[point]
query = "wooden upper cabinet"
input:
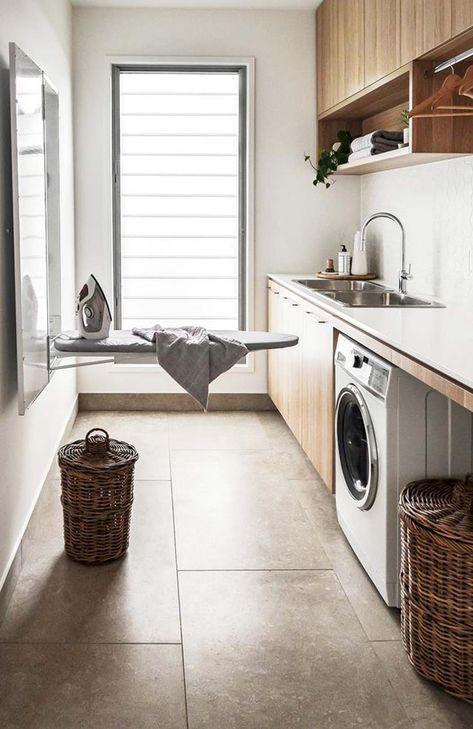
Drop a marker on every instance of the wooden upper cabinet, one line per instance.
(328, 75)
(437, 23)
(425, 24)
(462, 15)
(382, 38)
(340, 51)
(351, 35)
(412, 30)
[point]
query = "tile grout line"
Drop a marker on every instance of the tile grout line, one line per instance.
(82, 642)
(262, 569)
(184, 682)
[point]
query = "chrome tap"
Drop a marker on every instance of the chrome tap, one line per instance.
(404, 275)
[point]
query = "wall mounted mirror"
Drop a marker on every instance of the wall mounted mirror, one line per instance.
(36, 232)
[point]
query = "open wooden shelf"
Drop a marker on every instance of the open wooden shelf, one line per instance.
(379, 106)
(393, 160)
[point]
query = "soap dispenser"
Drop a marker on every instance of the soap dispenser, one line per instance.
(344, 262)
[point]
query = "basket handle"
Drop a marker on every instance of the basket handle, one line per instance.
(97, 445)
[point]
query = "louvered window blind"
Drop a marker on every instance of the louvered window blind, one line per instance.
(179, 202)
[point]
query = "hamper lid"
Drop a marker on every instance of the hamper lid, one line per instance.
(97, 452)
(442, 505)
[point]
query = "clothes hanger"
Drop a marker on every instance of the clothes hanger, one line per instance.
(433, 107)
(465, 89)
(449, 85)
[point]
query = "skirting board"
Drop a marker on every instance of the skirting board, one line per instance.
(9, 583)
(173, 402)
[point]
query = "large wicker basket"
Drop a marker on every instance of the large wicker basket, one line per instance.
(97, 496)
(437, 581)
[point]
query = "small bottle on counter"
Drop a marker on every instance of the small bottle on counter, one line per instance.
(344, 261)
(329, 267)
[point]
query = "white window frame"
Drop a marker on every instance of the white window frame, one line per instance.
(246, 267)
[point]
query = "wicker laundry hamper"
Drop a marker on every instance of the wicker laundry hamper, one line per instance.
(97, 496)
(437, 581)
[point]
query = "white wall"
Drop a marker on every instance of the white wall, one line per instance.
(435, 204)
(42, 28)
(296, 226)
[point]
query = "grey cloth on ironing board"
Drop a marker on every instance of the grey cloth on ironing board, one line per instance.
(193, 356)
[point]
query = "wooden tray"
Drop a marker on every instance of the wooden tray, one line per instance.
(346, 277)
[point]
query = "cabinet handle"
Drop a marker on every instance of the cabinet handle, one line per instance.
(294, 304)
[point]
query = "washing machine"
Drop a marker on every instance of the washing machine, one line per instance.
(390, 429)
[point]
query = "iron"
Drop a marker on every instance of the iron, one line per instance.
(93, 311)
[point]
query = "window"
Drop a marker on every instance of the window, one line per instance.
(179, 139)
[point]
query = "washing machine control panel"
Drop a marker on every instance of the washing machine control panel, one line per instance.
(364, 366)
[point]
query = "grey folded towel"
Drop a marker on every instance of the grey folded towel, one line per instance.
(380, 136)
(193, 356)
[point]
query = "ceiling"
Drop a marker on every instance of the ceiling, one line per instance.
(214, 4)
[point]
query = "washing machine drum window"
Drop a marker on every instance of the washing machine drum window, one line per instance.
(357, 447)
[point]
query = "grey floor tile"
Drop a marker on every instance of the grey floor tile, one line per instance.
(216, 431)
(148, 432)
(379, 621)
(91, 687)
(130, 600)
(234, 510)
(277, 650)
(422, 700)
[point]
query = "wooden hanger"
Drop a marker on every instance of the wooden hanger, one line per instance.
(426, 107)
(465, 89)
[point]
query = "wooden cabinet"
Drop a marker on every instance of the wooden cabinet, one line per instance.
(462, 15)
(425, 24)
(437, 23)
(340, 51)
(412, 30)
(317, 433)
(300, 379)
(382, 38)
(351, 35)
(360, 42)
(328, 72)
(275, 356)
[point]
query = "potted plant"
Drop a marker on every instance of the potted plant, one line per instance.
(329, 160)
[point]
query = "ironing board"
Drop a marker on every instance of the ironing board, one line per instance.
(124, 347)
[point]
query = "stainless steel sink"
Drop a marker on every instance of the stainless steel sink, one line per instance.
(332, 285)
(379, 299)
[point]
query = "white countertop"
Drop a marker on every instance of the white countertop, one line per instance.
(440, 338)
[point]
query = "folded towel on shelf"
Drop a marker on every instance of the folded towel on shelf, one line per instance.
(193, 356)
(380, 136)
(368, 152)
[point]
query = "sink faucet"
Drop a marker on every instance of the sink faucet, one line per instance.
(404, 274)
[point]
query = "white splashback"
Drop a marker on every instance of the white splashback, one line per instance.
(435, 204)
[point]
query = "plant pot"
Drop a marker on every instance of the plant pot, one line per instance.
(405, 135)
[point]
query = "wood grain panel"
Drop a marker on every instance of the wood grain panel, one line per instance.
(412, 29)
(328, 62)
(351, 39)
(462, 15)
(436, 23)
(382, 38)
(318, 396)
(389, 119)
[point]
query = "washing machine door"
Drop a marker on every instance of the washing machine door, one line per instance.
(356, 446)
